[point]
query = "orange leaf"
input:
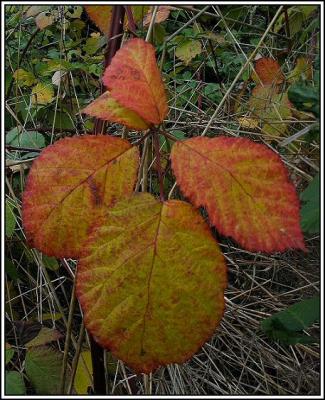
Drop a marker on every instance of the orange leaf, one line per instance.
(134, 80)
(101, 16)
(151, 282)
(245, 189)
(70, 185)
(161, 15)
(268, 71)
(105, 107)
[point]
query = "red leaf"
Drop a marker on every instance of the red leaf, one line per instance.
(269, 71)
(245, 189)
(134, 81)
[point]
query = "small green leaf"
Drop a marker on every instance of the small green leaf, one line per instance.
(31, 139)
(10, 219)
(310, 211)
(286, 325)
(10, 269)
(305, 97)
(14, 383)
(50, 263)
(43, 367)
(9, 354)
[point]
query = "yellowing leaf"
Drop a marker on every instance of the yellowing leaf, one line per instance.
(268, 71)
(161, 15)
(245, 188)
(134, 81)
(188, 49)
(44, 336)
(70, 185)
(249, 123)
(24, 78)
(43, 20)
(106, 108)
(272, 108)
(83, 378)
(302, 68)
(151, 281)
(42, 93)
(101, 16)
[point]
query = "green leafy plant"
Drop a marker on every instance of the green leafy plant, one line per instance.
(142, 259)
(286, 326)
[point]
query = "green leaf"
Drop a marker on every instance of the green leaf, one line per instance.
(310, 211)
(43, 367)
(14, 383)
(286, 325)
(50, 263)
(31, 139)
(305, 97)
(9, 354)
(10, 220)
(10, 269)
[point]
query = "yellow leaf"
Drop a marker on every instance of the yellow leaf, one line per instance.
(42, 93)
(249, 123)
(83, 378)
(151, 282)
(188, 49)
(24, 78)
(303, 68)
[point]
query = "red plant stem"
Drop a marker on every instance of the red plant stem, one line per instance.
(158, 164)
(131, 23)
(199, 99)
(114, 43)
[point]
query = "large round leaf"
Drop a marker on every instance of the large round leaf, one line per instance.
(245, 189)
(70, 185)
(151, 282)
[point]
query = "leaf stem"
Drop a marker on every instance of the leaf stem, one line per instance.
(158, 165)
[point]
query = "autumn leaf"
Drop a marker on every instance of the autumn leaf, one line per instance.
(268, 71)
(70, 185)
(135, 82)
(151, 281)
(102, 16)
(245, 188)
(24, 78)
(272, 108)
(161, 15)
(303, 68)
(44, 19)
(248, 123)
(107, 108)
(42, 94)
(187, 50)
